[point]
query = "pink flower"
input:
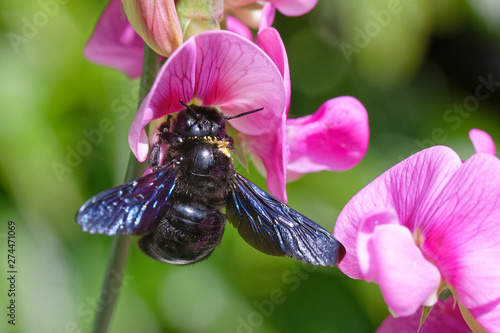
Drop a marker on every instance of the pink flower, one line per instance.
(218, 69)
(427, 224)
(115, 43)
(445, 317)
(334, 138)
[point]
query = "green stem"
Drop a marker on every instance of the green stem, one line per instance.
(121, 244)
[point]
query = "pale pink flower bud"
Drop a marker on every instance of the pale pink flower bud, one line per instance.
(156, 21)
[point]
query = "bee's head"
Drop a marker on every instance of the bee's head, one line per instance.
(200, 121)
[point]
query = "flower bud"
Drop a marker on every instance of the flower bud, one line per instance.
(156, 21)
(197, 16)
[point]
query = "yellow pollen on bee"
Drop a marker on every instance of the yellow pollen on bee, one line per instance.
(222, 145)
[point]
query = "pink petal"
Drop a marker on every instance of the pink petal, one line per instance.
(462, 237)
(114, 42)
(235, 75)
(393, 260)
(238, 27)
(148, 171)
(137, 138)
(443, 318)
(482, 141)
(409, 188)
(365, 236)
(270, 41)
(267, 19)
(294, 7)
(292, 176)
(215, 68)
(272, 149)
(334, 138)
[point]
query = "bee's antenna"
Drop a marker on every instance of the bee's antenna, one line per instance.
(241, 114)
(188, 107)
(223, 116)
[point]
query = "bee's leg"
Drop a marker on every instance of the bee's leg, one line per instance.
(164, 137)
(154, 156)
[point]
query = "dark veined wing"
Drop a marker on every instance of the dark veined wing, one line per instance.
(135, 207)
(274, 228)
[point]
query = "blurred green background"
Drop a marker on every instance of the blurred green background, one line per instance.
(413, 64)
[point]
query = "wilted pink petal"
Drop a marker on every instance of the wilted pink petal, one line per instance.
(443, 318)
(482, 141)
(114, 42)
(156, 22)
(408, 188)
(462, 237)
(215, 68)
(334, 138)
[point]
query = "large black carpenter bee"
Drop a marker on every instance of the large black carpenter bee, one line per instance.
(177, 209)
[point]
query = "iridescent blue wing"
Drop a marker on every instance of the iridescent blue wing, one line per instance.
(272, 227)
(132, 208)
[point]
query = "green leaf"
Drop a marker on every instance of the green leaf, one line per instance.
(425, 312)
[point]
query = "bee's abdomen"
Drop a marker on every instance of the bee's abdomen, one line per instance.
(188, 233)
